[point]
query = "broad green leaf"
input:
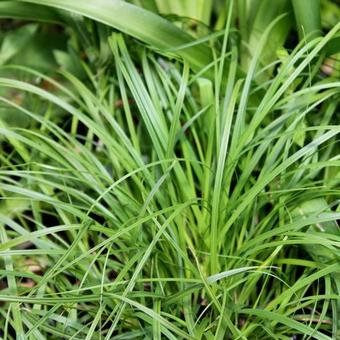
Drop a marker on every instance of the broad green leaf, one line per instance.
(137, 22)
(16, 10)
(15, 41)
(307, 15)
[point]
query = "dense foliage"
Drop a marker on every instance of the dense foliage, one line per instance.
(169, 169)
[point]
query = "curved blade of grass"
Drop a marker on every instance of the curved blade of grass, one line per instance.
(176, 116)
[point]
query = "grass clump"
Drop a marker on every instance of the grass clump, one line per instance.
(183, 188)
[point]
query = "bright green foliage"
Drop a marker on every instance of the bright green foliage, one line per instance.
(171, 169)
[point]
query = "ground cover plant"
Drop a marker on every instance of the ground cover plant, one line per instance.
(169, 169)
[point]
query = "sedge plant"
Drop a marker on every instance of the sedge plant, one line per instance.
(170, 186)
